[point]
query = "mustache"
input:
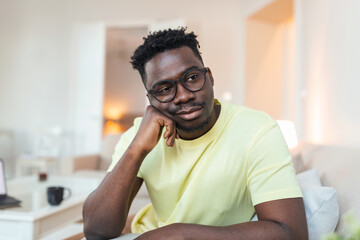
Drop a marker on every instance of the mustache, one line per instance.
(183, 106)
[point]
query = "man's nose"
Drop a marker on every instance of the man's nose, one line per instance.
(182, 94)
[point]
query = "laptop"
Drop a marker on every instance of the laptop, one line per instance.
(5, 200)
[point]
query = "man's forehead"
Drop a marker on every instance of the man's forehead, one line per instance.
(170, 64)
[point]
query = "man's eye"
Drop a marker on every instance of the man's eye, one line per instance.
(192, 77)
(163, 90)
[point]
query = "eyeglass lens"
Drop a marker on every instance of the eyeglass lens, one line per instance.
(192, 81)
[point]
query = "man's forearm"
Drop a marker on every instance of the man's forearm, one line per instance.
(247, 231)
(105, 210)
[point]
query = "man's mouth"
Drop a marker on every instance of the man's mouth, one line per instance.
(189, 113)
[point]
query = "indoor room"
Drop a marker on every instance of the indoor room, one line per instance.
(68, 93)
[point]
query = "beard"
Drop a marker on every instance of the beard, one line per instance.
(192, 129)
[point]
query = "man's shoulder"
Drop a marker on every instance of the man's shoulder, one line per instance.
(137, 122)
(129, 134)
(245, 114)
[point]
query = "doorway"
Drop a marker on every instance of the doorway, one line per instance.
(124, 94)
(106, 94)
(270, 60)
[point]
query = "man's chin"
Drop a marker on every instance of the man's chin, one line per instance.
(193, 128)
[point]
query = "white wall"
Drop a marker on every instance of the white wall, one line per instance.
(263, 81)
(269, 68)
(87, 85)
(33, 69)
(33, 57)
(251, 6)
(270, 59)
(327, 86)
(331, 54)
(35, 53)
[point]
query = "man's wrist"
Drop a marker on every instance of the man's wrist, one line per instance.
(137, 151)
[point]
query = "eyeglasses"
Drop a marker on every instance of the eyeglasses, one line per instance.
(193, 81)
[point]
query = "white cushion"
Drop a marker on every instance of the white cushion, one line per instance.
(129, 236)
(321, 206)
(308, 178)
(338, 167)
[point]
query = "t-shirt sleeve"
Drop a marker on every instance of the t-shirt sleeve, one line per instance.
(123, 145)
(270, 173)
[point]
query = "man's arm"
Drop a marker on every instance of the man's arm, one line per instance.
(280, 219)
(106, 209)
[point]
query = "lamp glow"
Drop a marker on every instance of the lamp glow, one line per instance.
(288, 130)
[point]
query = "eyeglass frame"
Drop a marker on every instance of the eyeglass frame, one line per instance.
(175, 83)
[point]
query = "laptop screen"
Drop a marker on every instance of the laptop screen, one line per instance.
(2, 178)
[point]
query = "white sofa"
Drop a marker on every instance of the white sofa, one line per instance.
(100, 161)
(336, 166)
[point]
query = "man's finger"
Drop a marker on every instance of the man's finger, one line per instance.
(170, 133)
(173, 135)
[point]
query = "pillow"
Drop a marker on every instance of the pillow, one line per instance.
(297, 161)
(321, 206)
(308, 178)
(129, 236)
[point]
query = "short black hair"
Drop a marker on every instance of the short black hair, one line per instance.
(161, 41)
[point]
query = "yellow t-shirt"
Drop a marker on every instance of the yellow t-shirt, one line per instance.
(216, 179)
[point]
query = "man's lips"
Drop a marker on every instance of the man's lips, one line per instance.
(189, 113)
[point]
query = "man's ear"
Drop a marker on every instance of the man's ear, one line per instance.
(210, 76)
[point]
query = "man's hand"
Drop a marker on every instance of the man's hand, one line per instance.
(151, 128)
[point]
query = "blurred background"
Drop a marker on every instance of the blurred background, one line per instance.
(65, 71)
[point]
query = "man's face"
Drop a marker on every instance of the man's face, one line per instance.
(190, 110)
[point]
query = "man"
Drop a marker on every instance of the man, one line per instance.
(208, 166)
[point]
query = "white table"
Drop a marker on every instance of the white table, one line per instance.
(36, 218)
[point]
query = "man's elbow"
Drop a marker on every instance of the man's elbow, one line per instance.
(299, 233)
(95, 227)
(100, 232)
(293, 233)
